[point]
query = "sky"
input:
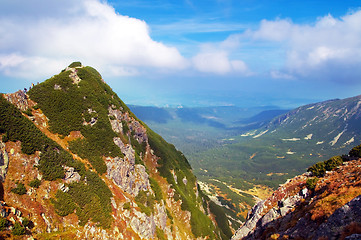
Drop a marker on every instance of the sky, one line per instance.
(245, 53)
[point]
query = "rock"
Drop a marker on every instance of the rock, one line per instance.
(73, 75)
(350, 212)
(143, 225)
(71, 175)
(47, 222)
(160, 217)
(129, 177)
(19, 99)
(185, 181)
(253, 216)
(354, 237)
(4, 161)
(270, 216)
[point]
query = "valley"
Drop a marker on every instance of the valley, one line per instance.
(256, 148)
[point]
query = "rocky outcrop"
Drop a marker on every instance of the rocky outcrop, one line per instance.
(71, 175)
(136, 128)
(131, 178)
(253, 217)
(73, 75)
(4, 161)
(344, 216)
(19, 99)
(143, 225)
(331, 211)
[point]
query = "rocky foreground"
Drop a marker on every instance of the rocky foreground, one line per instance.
(330, 210)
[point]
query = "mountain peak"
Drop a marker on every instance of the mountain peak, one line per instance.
(91, 169)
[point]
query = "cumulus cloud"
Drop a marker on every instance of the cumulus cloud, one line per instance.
(86, 30)
(328, 49)
(216, 58)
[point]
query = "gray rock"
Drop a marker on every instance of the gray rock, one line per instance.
(130, 177)
(71, 175)
(350, 212)
(4, 161)
(19, 99)
(143, 225)
(253, 216)
(270, 216)
(354, 237)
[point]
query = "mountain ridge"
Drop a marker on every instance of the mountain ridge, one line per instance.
(81, 165)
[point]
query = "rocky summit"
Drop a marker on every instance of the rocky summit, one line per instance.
(76, 163)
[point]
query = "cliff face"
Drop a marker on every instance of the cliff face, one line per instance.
(76, 163)
(307, 207)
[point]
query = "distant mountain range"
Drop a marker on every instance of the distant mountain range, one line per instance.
(259, 146)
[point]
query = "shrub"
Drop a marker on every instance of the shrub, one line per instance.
(317, 169)
(355, 152)
(18, 229)
(19, 128)
(20, 189)
(75, 64)
(126, 206)
(333, 162)
(3, 223)
(311, 183)
(35, 183)
(320, 168)
(26, 222)
(156, 189)
(28, 112)
(160, 234)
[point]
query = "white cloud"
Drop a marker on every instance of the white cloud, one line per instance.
(217, 58)
(87, 30)
(328, 49)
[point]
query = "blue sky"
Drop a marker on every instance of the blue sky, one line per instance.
(195, 53)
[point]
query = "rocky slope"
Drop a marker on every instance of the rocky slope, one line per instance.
(76, 163)
(310, 207)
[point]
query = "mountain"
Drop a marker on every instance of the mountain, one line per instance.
(288, 144)
(318, 204)
(76, 163)
(256, 151)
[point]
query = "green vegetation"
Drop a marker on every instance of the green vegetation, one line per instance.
(145, 202)
(18, 229)
(160, 234)
(355, 152)
(221, 219)
(35, 183)
(18, 128)
(74, 107)
(87, 151)
(91, 201)
(28, 112)
(75, 64)
(20, 189)
(3, 223)
(156, 189)
(320, 168)
(311, 183)
(26, 222)
(172, 159)
(126, 206)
